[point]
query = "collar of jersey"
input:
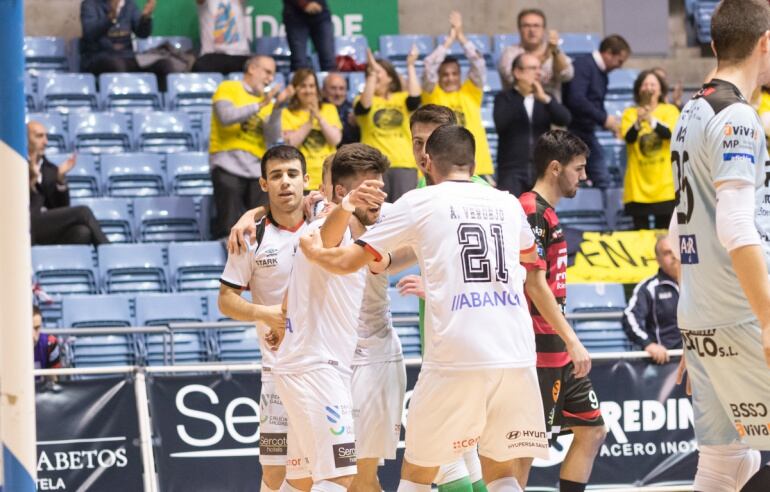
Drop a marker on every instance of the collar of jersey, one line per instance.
(271, 220)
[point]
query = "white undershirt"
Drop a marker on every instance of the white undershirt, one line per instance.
(529, 105)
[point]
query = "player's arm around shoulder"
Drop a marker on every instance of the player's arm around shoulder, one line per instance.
(341, 260)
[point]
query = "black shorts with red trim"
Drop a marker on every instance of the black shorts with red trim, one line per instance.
(567, 401)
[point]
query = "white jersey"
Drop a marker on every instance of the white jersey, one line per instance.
(322, 316)
(718, 137)
(265, 270)
(377, 341)
(467, 240)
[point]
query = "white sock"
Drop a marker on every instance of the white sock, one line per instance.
(473, 463)
(285, 487)
(507, 484)
(327, 486)
(264, 488)
(407, 486)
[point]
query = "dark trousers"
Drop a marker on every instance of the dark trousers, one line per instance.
(319, 28)
(399, 181)
(596, 167)
(106, 63)
(67, 225)
(515, 179)
(220, 62)
(233, 195)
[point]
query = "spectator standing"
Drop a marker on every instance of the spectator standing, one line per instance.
(46, 348)
(224, 45)
(311, 125)
(382, 112)
(650, 318)
(521, 115)
(106, 45)
(335, 91)
(244, 124)
(52, 219)
(648, 188)
(556, 66)
(584, 97)
(313, 19)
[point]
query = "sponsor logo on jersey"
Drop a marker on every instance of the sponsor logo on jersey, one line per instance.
(525, 434)
(271, 444)
(744, 409)
(465, 443)
(333, 415)
(751, 430)
(741, 131)
(703, 344)
(688, 249)
(344, 454)
(485, 299)
(556, 390)
(738, 157)
(267, 258)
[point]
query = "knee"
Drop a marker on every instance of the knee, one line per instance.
(418, 474)
(591, 436)
(79, 234)
(273, 476)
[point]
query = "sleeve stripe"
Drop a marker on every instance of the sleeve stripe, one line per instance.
(368, 247)
(629, 311)
(231, 285)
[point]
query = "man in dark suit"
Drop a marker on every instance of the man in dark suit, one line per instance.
(521, 115)
(52, 219)
(584, 97)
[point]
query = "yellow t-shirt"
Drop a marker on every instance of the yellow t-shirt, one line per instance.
(386, 128)
(466, 103)
(764, 104)
(649, 178)
(315, 148)
(246, 136)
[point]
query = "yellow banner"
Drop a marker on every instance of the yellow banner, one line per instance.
(626, 257)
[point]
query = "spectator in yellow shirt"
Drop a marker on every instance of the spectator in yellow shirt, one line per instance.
(648, 192)
(443, 85)
(311, 125)
(382, 112)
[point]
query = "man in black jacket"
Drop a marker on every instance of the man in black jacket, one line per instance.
(53, 221)
(521, 115)
(650, 318)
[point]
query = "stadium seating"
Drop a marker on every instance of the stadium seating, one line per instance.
(163, 309)
(191, 91)
(237, 344)
(395, 47)
(481, 41)
(188, 173)
(616, 216)
(196, 266)
(46, 53)
(395, 277)
(595, 298)
(65, 269)
(356, 81)
(702, 10)
(100, 133)
(275, 46)
(585, 211)
(65, 92)
(83, 179)
(171, 218)
(164, 132)
(181, 43)
(353, 46)
(502, 41)
(58, 140)
(129, 91)
(132, 175)
(492, 86)
(621, 83)
(30, 92)
(114, 216)
(125, 268)
(579, 43)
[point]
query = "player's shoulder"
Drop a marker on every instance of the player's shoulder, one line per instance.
(723, 97)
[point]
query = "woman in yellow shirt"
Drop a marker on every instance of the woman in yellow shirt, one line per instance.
(314, 127)
(382, 112)
(648, 188)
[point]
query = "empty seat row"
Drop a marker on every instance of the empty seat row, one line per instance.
(598, 335)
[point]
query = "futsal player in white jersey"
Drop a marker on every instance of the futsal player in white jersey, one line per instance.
(722, 225)
(264, 269)
(315, 350)
(478, 383)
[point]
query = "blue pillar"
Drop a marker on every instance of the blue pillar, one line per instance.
(12, 128)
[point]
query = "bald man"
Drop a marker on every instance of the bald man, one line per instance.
(335, 91)
(52, 219)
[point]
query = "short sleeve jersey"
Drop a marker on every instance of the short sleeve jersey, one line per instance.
(551, 257)
(222, 26)
(719, 137)
(315, 147)
(264, 269)
(466, 104)
(247, 136)
(386, 128)
(322, 316)
(467, 239)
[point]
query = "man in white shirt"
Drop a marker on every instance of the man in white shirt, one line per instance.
(224, 44)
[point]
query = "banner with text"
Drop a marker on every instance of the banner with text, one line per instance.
(88, 435)
(625, 257)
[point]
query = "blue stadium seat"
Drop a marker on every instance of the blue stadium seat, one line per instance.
(171, 218)
(65, 92)
(162, 309)
(621, 82)
(275, 46)
(196, 266)
(579, 43)
(395, 277)
(191, 91)
(46, 53)
(237, 344)
(356, 81)
(181, 43)
(402, 305)
(480, 41)
(618, 220)
(131, 175)
(66, 269)
(164, 132)
(127, 268)
(188, 173)
(410, 339)
(353, 46)
(595, 298)
(702, 17)
(408, 329)
(58, 139)
(129, 91)
(502, 41)
(602, 336)
(492, 86)
(100, 133)
(83, 180)
(395, 47)
(114, 216)
(30, 92)
(585, 211)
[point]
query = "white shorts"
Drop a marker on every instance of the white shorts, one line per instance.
(730, 385)
(322, 440)
(378, 399)
(453, 411)
(273, 426)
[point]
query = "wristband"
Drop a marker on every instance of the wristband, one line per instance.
(346, 205)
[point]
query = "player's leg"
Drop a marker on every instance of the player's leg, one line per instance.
(473, 464)
(299, 450)
(454, 477)
(273, 433)
(521, 468)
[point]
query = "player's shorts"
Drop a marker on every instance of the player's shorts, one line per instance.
(567, 401)
(378, 400)
(730, 385)
(322, 440)
(453, 411)
(273, 426)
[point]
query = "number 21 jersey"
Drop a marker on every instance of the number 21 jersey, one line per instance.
(719, 137)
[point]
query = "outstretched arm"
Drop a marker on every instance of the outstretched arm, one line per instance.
(340, 260)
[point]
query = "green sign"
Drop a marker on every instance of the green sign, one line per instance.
(372, 19)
